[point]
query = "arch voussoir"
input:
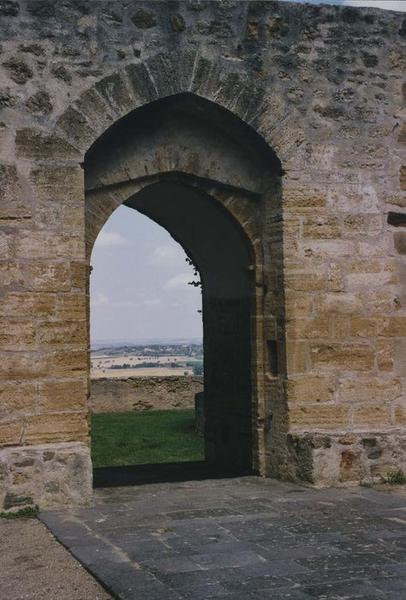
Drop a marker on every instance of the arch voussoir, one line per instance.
(160, 76)
(171, 75)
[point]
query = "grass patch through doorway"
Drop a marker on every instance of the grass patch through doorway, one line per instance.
(149, 437)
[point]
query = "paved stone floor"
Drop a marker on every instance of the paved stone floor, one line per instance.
(233, 539)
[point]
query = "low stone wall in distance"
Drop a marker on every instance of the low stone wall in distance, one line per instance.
(143, 393)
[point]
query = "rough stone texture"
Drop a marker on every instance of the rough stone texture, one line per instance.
(286, 118)
(143, 393)
(241, 539)
(34, 566)
(47, 475)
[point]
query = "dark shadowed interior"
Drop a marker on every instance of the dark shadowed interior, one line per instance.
(222, 254)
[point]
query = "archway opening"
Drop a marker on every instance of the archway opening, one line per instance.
(146, 347)
(201, 173)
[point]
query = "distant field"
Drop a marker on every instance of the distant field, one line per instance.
(149, 437)
(102, 366)
(150, 372)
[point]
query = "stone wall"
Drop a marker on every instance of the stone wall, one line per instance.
(143, 393)
(324, 88)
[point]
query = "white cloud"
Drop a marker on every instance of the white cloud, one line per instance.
(167, 256)
(110, 239)
(99, 299)
(177, 282)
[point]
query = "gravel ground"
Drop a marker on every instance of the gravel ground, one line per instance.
(34, 566)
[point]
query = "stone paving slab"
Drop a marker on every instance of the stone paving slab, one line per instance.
(246, 538)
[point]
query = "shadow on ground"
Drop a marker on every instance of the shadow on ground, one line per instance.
(105, 477)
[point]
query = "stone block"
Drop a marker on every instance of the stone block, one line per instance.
(385, 351)
(61, 333)
(297, 357)
(304, 199)
(321, 227)
(22, 366)
(76, 128)
(362, 225)
(399, 238)
(364, 327)
(400, 415)
(298, 304)
(345, 356)
(115, 90)
(386, 275)
(60, 427)
(402, 178)
(11, 275)
(16, 304)
(400, 357)
(36, 145)
(71, 307)
(69, 394)
(310, 389)
(79, 272)
(306, 282)
(319, 416)
(310, 328)
(15, 212)
(49, 276)
(17, 334)
(392, 327)
(15, 204)
(369, 389)
(72, 219)
(350, 466)
(5, 245)
(47, 245)
(58, 184)
(339, 326)
(67, 362)
(140, 82)
(17, 399)
(371, 415)
(330, 249)
(10, 433)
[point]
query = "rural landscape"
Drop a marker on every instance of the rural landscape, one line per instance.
(143, 402)
(147, 360)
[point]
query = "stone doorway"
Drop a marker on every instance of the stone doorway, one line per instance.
(182, 161)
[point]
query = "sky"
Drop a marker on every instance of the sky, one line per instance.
(385, 4)
(139, 284)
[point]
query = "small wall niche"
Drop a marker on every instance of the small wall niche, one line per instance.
(273, 363)
(397, 219)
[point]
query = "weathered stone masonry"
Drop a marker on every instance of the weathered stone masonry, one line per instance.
(324, 89)
(124, 394)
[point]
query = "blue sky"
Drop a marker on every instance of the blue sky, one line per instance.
(139, 287)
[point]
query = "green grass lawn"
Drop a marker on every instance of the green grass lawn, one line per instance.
(135, 438)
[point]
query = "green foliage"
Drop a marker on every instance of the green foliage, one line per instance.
(198, 369)
(29, 512)
(196, 366)
(147, 437)
(396, 477)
